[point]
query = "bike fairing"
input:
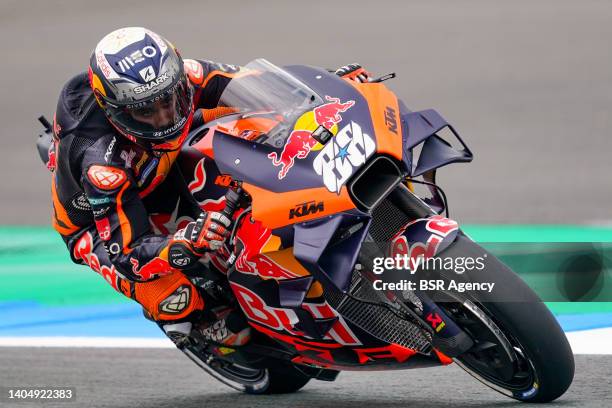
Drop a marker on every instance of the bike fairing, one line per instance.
(270, 312)
(311, 260)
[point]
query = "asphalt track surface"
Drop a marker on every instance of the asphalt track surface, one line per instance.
(165, 378)
(527, 83)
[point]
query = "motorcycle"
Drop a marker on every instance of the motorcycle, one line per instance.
(320, 177)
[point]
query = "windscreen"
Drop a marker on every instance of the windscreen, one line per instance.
(262, 88)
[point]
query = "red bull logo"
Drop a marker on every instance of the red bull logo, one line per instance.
(328, 115)
(300, 142)
(155, 267)
(254, 238)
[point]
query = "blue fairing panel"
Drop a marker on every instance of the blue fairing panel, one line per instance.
(421, 127)
(330, 260)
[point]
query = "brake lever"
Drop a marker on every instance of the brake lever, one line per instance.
(383, 78)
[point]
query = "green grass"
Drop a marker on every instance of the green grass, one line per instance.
(35, 264)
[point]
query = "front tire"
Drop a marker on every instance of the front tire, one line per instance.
(528, 333)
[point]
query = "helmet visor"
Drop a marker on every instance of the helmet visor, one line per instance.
(159, 119)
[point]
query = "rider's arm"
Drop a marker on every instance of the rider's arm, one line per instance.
(209, 79)
(122, 223)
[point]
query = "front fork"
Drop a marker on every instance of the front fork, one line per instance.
(447, 336)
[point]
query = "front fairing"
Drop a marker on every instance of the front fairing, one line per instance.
(300, 187)
(306, 232)
(257, 168)
(284, 166)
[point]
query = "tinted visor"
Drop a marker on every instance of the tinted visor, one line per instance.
(159, 119)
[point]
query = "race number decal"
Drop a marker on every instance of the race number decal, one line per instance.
(339, 159)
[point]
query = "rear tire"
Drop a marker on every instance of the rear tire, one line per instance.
(284, 379)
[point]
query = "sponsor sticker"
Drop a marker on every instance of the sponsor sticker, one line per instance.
(109, 150)
(155, 267)
(114, 248)
(104, 229)
(304, 209)
(390, 119)
(301, 140)
(100, 212)
(99, 201)
(153, 84)
(106, 178)
(80, 203)
(128, 157)
(147, 73)
(126, 63)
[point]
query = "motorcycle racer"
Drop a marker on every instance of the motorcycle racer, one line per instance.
(118, 130)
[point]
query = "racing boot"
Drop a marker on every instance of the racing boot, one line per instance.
(229, 327)
(178, 332)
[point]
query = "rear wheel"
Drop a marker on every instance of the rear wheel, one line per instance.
(282, 378)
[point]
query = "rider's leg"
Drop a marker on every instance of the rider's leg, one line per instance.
(171, 300)
(168, 298)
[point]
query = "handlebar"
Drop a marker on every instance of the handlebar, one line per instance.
(232, 198)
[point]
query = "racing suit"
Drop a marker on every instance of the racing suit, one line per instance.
(105, 188)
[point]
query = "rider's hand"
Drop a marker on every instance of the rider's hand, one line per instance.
(210, 231)
(354, 72)
(207, 233)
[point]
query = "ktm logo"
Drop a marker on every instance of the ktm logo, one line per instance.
(106, 178)
(390, 119)
(304, 209)
(223, 180)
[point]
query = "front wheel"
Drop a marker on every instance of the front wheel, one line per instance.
(520, 350)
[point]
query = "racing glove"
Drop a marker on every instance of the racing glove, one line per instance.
(207, 233)
(354, 72)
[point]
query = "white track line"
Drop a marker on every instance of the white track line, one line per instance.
(596, 341)
(107, 342)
